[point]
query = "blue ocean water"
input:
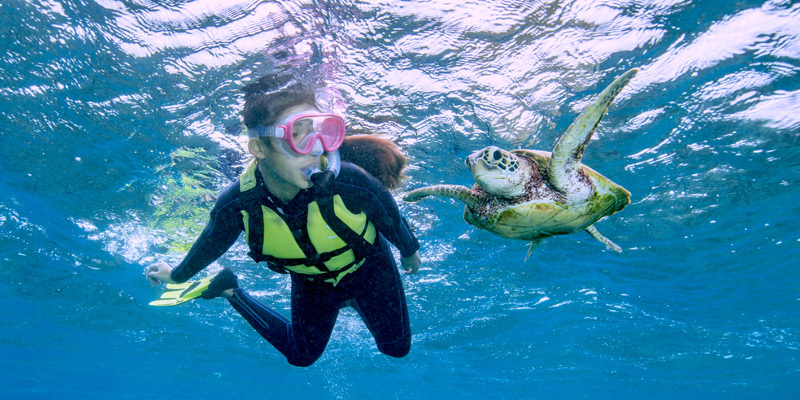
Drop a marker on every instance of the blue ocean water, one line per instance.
(120, 123)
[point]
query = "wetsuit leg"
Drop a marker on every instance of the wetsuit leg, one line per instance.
(314, 311)
(381, 303)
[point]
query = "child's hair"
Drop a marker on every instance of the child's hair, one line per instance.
(272, 94)
(380, 157)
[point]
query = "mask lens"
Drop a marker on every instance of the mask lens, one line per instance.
(306, 130)
(304, 133)
(332, 131)
(302, 129)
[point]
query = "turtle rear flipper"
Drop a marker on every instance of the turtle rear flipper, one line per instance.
(565, 174)
(534, 244)
(595, 234)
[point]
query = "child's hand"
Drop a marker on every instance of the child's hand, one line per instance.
(410, 264)
(158, 273)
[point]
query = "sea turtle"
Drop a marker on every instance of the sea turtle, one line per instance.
(531, 194)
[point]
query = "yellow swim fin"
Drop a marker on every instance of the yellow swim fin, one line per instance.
(179, 293)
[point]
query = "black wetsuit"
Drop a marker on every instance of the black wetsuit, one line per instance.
(375, 290)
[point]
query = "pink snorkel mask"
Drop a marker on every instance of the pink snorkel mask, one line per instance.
(301, 133)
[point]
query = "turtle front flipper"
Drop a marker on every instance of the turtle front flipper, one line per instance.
(457, 192)
(595, 234)
(565, 173)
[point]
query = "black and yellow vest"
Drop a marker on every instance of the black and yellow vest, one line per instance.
(334, 240)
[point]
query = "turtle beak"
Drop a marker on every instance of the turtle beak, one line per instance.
(473, 158)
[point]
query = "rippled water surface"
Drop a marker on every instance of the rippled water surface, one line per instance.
(119, 124)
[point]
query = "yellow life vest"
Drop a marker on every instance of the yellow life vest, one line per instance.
(329, 257)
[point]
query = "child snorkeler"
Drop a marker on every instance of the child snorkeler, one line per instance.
(325, 222)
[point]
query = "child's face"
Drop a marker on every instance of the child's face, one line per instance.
(284, 165)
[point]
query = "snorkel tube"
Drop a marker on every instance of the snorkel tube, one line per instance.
(322, 179)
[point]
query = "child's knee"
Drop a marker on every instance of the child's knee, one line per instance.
(303, 361)
(397, 349)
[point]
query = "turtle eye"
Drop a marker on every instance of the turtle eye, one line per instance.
(497, 155)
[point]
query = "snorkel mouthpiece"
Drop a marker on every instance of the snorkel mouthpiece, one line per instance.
(334, 164)
(323, 180)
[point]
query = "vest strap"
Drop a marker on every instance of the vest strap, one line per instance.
(332, 275)
(355, 240)
(316, 260)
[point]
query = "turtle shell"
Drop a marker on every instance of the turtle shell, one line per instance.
(543, 211)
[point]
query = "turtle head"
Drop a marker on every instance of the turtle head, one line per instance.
(498, 171)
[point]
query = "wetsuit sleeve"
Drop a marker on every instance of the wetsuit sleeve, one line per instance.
(224, 227)
(369, 195)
